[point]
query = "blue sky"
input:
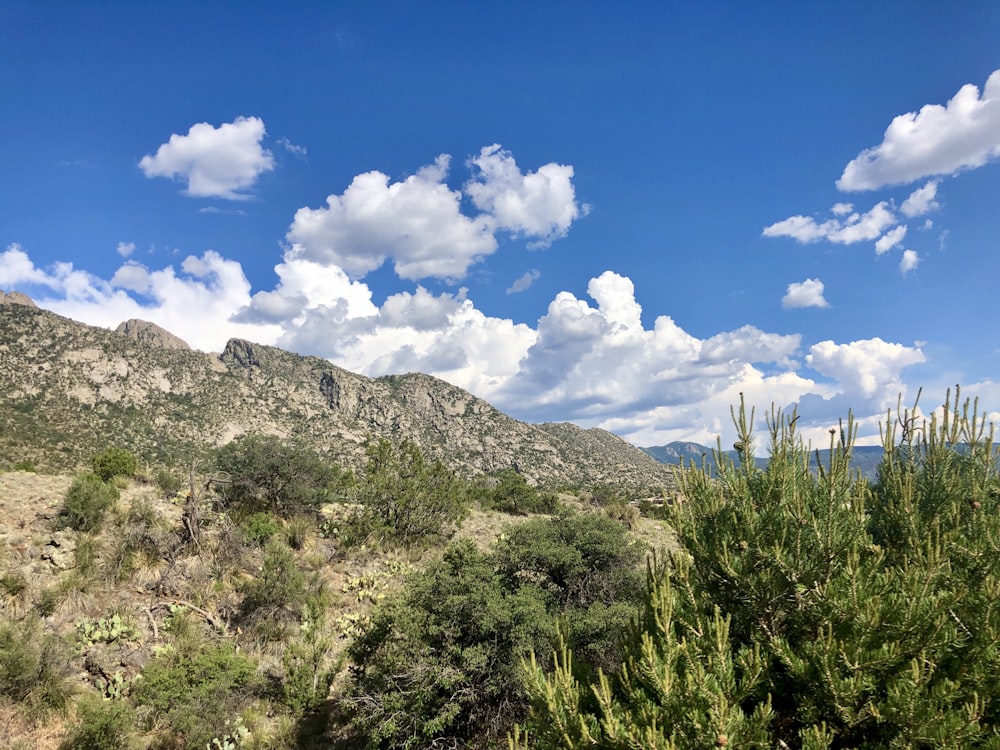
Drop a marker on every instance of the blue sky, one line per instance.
(617, 214)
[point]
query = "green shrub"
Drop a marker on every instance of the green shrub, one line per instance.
(403, 500)
(193, 694)
(586, 567)
(308, 671)
(33, 667)
(509, 492)
(101, 725)
(168, 482)
(811, 610)
(114, 462)
(266, 473)
(277, 595)
(27, 466)
(86, 501)
(438, 663)
(260, 527)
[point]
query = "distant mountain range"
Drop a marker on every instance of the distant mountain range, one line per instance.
(864, 457)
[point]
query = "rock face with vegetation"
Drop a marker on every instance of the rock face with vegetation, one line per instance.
(75, 389)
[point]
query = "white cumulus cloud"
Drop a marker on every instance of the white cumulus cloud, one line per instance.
(808, 293)
(540, 205)
(851, 228)
(417, 223)
(921, 201)
(890, 239)
(594, 363)
(909, 261)
(937, 140)
(215, 162)
(869, 367)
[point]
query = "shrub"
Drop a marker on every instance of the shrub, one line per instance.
(102, 724)
(266, 473)
(114, 462)
(308, 671)
(276, 595)
(586, 567)
(438, 662)
(403, 500)
(193, 693)
(168, 482)
(86, 501)
(509, 492)
(260, 527)
(33, 665)
(812, 610)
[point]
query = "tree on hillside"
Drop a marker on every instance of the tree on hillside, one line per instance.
(811, 611)
(404, 499)
(265, 472)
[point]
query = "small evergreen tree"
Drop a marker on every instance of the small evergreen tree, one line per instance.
(403, 499)
(266, 473)
(115, 462)
(811, 611)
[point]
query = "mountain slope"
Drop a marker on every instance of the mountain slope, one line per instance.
(71, 390)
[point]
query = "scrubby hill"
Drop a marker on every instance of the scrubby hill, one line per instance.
(71, 389)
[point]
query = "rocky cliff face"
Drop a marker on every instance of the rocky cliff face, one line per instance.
(150, 333)
(16, 298)
(71, 390)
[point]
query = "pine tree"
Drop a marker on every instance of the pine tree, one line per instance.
(811, 609)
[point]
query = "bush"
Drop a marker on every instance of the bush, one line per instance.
(168, 482)
(33, 667)
(277, 595)
(403, 500)
(438, 663)
(260, 527)
(114, 462)
(102, 725)
(509, 492)
(268, 474)
(812, 611)
(586, 567)
(194, 693)
(86, 501)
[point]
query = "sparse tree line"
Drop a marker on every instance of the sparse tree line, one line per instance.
(798, 609)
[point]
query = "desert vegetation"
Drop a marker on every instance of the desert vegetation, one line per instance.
(265, 596)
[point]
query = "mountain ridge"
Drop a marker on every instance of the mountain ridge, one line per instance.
(73, 389)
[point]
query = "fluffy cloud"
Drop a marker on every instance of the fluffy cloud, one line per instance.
(539, 205)
(890, 239)
(868, 368)
(418, 223)
(909, 261)
(855, 227)
(524, 281)
(214, 162)
(937, 140)
(921, 200)
(125, 249)
(808, 293)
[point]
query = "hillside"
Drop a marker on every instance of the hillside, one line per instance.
(72, 389)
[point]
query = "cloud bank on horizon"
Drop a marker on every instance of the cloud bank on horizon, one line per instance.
(590, 360)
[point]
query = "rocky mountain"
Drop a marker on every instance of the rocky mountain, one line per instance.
(71, 390)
